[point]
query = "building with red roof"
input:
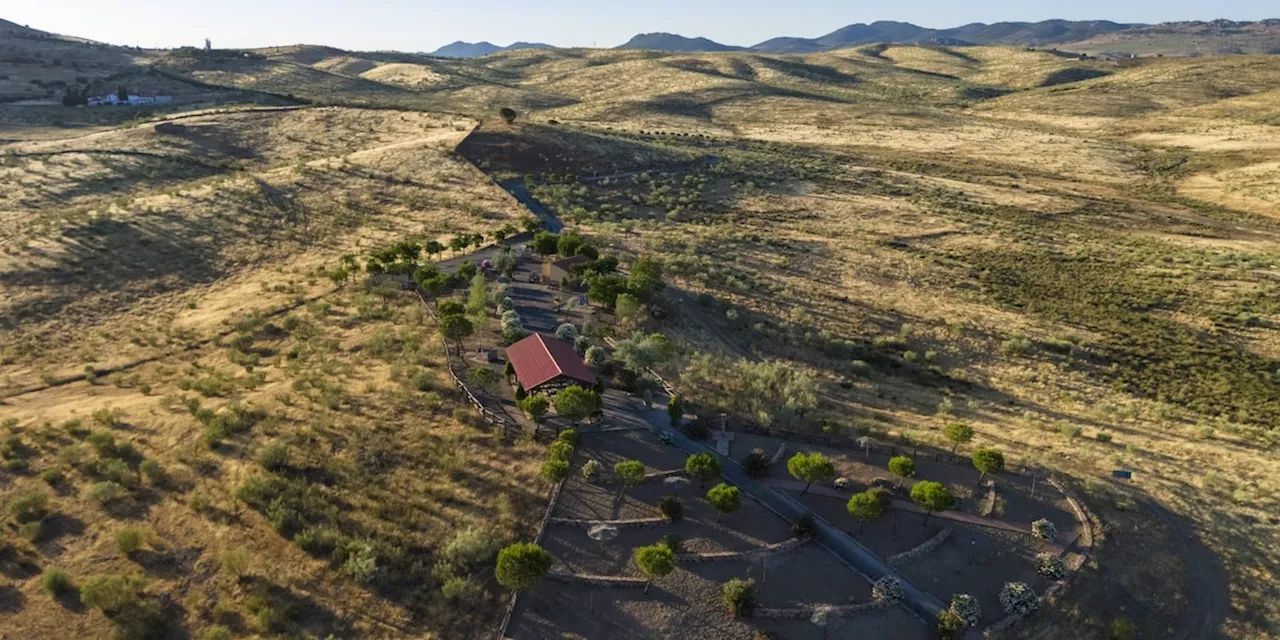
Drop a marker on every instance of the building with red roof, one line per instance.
(547, 364)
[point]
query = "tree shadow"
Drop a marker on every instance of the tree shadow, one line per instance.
(12, 599)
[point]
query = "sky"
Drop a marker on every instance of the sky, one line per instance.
(424, 25)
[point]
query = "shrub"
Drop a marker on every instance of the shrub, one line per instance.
(560, 451)
(216, 632)
(1123, 629)
(274, 456)
(118, 471)
(468, 548)
(698, 430)
(739, 596)
(1103, 436)
(56, 582)
(804, 526)
(671, 508)
(554, 471)
(112, 593)
(568, 435)
(105, 492)
(591, 469)
(237, 561)
(756, 464)
(521, 565)
(887, 589)
(361, 564)
(30, 507)
(129, 541)
(154, 473)
(1050, 566)
(1017, 598)
(966, 608)
(1044, 530)
(461, 589)
(949, 625)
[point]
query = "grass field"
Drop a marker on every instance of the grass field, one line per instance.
(1077, 257)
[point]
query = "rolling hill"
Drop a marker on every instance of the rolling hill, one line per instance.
(462, 49)
(673, 42)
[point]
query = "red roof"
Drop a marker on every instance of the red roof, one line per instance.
(538, 360)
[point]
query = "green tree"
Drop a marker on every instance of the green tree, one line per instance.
(675, 411)
(865, 507)
(505, 261)
(509, 371)
(483, 377)
(455, 328)
(545, 243)
(645, 280)
(430, 280)
(988, 461)
(626, 307)
(631, 472)
(604, 289)
(535, 406)
(478, 298)
(531, 224)
(702, 466)
(521, 565)
(958, 433)
(725, 498)
(932, 496)
(576, 403)
(433, 248)
(903, 467)
(655, 561)
(459, 242)
(568, 243)
(810, 468)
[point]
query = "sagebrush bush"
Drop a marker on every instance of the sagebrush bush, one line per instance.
(30, 507)
(739, 596)
(56, 582)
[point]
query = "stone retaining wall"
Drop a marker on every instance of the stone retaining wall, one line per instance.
(807, 612)
(599, 581)
(923, 548)
(769, 549)
(636, 523)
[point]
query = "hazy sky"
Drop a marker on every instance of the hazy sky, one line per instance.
(424, 25)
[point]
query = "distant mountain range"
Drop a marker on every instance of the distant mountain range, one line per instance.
(673, 42)
(1028, 34)
(462, 49)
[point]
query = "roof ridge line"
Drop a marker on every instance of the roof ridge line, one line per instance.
(542, 341)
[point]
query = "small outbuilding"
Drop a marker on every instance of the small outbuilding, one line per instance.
(546, 365)
(562, 270)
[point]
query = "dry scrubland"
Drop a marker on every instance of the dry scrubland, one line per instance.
(1077, 257)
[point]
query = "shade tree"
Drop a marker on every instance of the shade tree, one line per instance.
(932, 496)
(810, 468)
